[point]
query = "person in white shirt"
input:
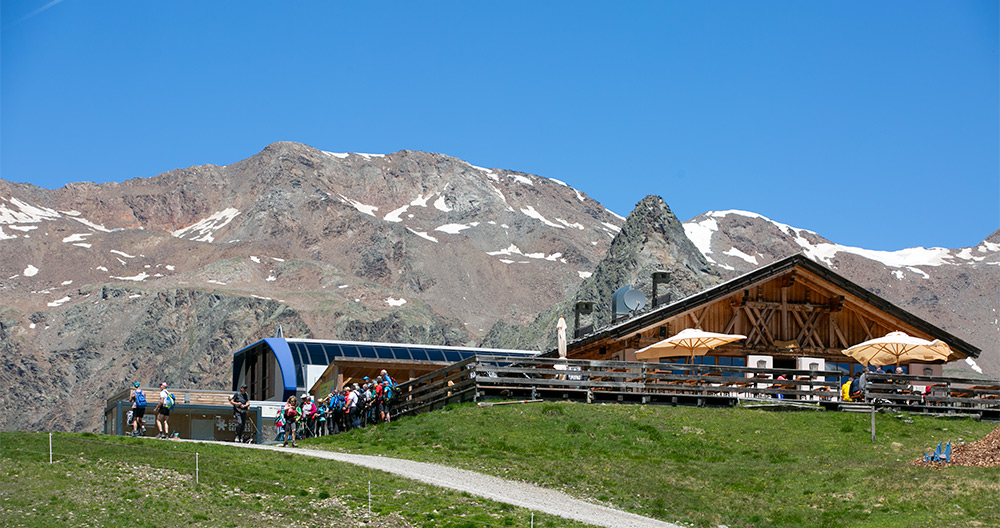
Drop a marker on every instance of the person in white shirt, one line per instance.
(162, 413)
(352, 405)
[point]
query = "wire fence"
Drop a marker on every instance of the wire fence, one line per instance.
(374, 498)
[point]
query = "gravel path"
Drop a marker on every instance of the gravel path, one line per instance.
(487, 486)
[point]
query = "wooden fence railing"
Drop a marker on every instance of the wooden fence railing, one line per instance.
(480, 377)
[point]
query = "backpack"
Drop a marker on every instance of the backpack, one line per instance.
(169, 402)
(387, 393)
(855, 390)
(140, 398)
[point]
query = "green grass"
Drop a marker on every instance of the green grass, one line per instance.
(709, 467)
(99, 480)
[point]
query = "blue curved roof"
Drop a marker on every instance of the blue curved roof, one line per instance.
(293, 355)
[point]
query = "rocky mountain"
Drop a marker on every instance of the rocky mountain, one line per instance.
(956, 289)
(652, 239)
(163, 278)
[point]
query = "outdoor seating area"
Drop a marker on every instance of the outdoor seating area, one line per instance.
(593, 381)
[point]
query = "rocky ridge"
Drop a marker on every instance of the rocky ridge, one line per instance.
(652, 239)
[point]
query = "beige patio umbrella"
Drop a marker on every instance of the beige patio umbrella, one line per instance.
(896, 347)
(561, 337)
(694, 341)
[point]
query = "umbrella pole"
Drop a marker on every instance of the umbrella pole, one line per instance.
(873, 422)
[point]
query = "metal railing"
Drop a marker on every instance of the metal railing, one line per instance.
(480, 377)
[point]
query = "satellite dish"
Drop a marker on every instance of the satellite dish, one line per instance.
(625, 300)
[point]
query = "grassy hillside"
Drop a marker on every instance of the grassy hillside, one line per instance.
(701, 467)
(710, 467)
(98, 480)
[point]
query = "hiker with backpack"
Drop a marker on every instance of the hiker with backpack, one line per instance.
(337, 412)
(167, 401)
(138, 399)
(388, 393)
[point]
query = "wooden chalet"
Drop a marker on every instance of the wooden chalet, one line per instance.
(790, 309)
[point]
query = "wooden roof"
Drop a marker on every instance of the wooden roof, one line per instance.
(792, 307)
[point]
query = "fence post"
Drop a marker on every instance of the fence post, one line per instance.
(196, 468)
(873, 422)
(369, 498)
(50, 448)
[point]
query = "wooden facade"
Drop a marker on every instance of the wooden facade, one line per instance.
(789, 309)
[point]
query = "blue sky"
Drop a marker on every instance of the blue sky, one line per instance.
(874, 124)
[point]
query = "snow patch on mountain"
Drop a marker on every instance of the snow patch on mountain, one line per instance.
(420, 200)
(733, 252)
(395, 302)
(972, 363)
(78, 237)
(92, 225)
(514, 250)
(205, 230)
(522, 179)
(532, 213)
(573, 225)
(440, 204)
(136, 278)
(30, 271)
(422, 234)
(394, 216)
(345, 155)
(25, 213)
(58, 302)
(701, 233)
(366, 209)
(452, 229)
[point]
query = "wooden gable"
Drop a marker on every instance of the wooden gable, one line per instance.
(791, 308)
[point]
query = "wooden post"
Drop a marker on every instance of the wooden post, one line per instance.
(873, 423)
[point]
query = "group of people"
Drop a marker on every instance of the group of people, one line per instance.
(853, 390)
(162, 410)
(354, 406)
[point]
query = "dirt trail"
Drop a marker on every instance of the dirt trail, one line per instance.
(487, 486)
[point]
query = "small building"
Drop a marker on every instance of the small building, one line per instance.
(276, 368)
(795, 314)
(198, 414)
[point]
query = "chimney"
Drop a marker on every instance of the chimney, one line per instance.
(660, 277)
(581, 308)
